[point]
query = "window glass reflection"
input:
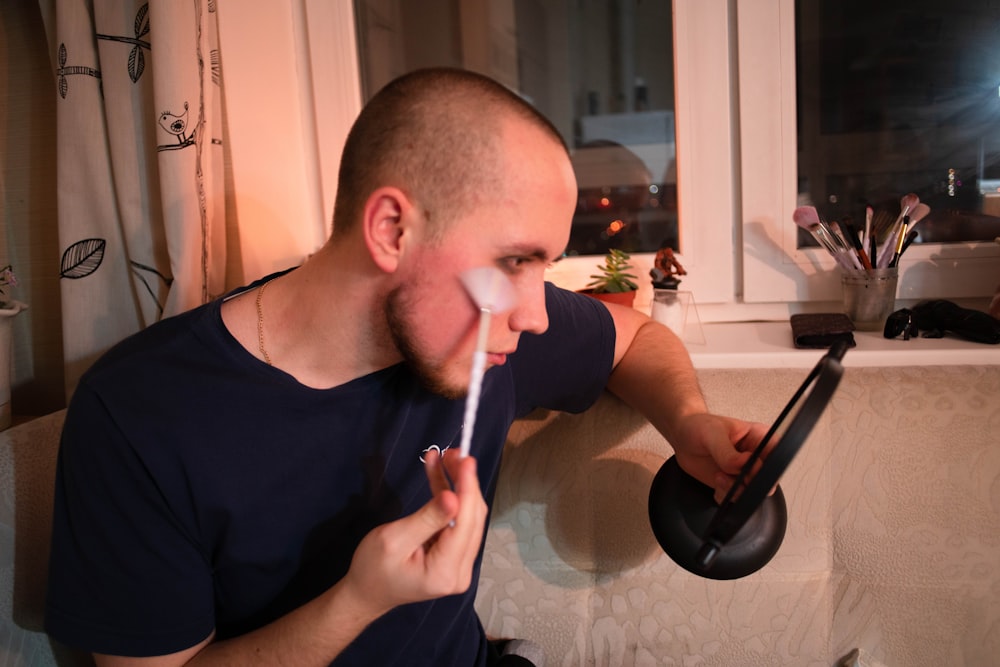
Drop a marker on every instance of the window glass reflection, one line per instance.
(901, 96)
(601, 71)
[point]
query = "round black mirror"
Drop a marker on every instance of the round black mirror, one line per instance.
(739, 536)
(680, 511)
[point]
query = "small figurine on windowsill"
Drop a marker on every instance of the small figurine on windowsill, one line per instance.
(666, 268)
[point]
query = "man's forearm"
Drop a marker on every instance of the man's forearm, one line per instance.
(313, 634)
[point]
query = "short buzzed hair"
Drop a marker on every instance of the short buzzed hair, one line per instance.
(435, 134)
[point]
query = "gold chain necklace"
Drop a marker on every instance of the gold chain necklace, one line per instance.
(260, 324)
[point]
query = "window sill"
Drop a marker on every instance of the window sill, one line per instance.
(769, 345)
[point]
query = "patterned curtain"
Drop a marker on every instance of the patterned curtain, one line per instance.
(142, 219)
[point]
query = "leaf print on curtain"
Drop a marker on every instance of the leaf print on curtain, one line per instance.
(142, 219)
(82, 258)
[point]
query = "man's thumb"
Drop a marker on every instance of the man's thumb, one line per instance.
(438, 513)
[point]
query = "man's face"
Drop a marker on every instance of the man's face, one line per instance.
(434, 321)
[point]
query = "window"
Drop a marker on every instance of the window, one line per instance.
(900, 97)
(604, 74)
(868, 103)
(735, 127)
(601, 72)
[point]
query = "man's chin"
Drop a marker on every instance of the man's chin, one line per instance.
(453, 393)
(437, 383)
(449, 391)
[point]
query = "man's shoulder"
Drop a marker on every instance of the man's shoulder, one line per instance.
(162, 343)
(574, 315)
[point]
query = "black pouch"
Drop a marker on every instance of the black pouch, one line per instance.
(932, 319)
(821, 330)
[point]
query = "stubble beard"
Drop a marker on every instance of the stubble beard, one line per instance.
(398, 309)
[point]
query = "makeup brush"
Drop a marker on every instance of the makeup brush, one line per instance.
(872, 242)
(846, 244)
(859, 248)
(919, 212)
(910, 238)
(906, 203)
(492, 292)
(837, 233)
(907, 234)
(899, 244)
(807, 218)
(869, 214)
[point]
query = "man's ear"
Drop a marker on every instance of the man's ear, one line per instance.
(385, 224)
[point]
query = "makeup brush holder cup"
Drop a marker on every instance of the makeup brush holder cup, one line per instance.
(870, 297)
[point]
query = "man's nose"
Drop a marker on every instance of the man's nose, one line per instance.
(530, 314)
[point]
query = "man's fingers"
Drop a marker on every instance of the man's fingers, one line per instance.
(723, 483)
(436, 515)
(462, 511)
(431, 552)
(462, 471)
(470, 522)
(436, 475)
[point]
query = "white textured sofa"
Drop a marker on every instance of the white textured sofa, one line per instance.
(893, 543)
(27, 477)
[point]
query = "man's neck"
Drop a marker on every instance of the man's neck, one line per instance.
(315, 324)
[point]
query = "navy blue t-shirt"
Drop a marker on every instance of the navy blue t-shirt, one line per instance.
(199, 488)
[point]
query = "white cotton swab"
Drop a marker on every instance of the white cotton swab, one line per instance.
(492, 293)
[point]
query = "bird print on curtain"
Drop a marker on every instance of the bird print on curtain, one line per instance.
(141, 203)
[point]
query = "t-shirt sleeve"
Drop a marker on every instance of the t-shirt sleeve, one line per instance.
(126, 576)
(567, 367)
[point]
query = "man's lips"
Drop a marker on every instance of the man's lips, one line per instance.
(496, 358)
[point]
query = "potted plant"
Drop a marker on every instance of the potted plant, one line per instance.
(614, 283)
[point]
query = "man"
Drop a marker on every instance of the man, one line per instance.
(258, 481)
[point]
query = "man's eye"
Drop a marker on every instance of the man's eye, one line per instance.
(514, 263)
